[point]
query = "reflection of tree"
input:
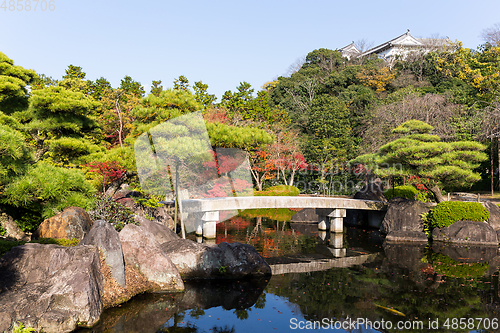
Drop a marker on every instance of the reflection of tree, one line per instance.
(178, 318)
(356, 292)
(261, 301)
(241, 314)
(197, 313)
(224, 329)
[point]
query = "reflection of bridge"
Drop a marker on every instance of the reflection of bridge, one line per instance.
(321, 264)
(331, 210)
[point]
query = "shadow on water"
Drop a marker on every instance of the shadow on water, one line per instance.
(150, 312)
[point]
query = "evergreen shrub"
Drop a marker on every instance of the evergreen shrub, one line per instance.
(448, 212)
(406, 191)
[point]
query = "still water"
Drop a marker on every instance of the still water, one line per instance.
(376, 287)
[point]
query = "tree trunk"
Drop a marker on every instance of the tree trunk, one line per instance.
(492, 168)
(437, 193)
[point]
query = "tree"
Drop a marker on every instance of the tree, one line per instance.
(133, 87)
(181, 83)
(57, 122)
(13, 85)
(202, 96)
(492, 35)
(418, 153)
(156, 87)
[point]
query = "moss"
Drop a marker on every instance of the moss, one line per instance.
(6, 245)
(279, 190)
(448, 212)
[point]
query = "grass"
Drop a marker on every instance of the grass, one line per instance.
(6, 245)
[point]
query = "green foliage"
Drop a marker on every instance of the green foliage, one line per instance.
(49, 188)
(448, 212)
(154, 110)
(105, 208)
(227, 136)
(421, 154)
(13, 85)
(279, 214)
(14, 153)
(20, 328)
(2, 231)
(279, 190)
(406, 191)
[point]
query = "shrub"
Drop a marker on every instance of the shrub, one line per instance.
(280, 214)
(105, 208)
(448, 212)
(279, 190)
(406, 191)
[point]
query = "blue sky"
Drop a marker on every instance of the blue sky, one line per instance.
(221, 43)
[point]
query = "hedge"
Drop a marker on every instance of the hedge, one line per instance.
(448, 212)
(279, 190)
(406, 191)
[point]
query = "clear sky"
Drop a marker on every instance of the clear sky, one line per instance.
(221, 43)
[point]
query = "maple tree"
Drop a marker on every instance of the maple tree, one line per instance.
(109, 171)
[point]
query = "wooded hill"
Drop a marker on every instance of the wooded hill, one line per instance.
(63, 140)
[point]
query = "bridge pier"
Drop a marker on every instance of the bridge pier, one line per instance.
(337, 220)
(206, 225)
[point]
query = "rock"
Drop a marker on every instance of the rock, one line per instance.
(237, 260)
(161, 232)
(402, 236)
(49, 287)
(469, 254)
(233, 260)
(143, 252)
(73, 222)
(106, 238)
(406, 256)
(405, 215)
(159, 214)
(466, 232)
(371, 191)
(494, 210)
(11, 227)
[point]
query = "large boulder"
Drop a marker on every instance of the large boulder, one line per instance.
(371, 191)
(106, 238)
(50, 287)
(161, 232)
(159, 214)
(234, 260)
(466, 232)
(405, 215)
(403, 236)
(494, 210)
(357, 217)
(73, 222)
(142, 251)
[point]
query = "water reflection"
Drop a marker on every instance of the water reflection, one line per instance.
(420, 284)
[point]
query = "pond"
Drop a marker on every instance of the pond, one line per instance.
(375, 287)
